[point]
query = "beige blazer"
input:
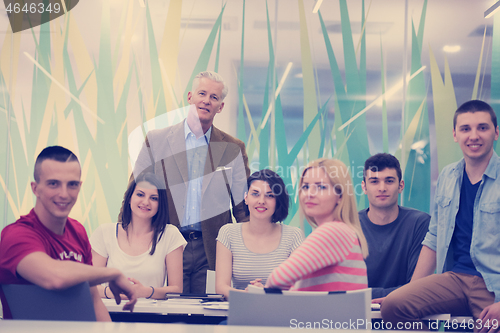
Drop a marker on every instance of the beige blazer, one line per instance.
(226, 172)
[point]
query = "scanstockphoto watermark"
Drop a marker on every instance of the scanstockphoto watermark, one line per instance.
(334, 172)
(354, 171)
(358, 324)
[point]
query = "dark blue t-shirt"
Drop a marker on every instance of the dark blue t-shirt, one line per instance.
(394, 249)
(462, 235)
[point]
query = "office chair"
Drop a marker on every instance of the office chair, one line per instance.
(344, 310)
(31, 302)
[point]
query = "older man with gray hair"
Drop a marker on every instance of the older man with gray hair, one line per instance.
(205, 172)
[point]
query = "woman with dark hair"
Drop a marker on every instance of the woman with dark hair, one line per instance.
(144, 246)
(247, 252)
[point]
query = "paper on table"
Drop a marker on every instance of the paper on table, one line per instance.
(143, 301)
(255, 290)
(216, 305)
(183, 301)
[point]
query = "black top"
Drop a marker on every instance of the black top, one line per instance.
(462, 235)
(393, 249)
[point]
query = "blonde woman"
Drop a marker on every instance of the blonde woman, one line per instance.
(332, 256)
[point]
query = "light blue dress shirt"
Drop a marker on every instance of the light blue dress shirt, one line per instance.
(485, 244)
(196, 150)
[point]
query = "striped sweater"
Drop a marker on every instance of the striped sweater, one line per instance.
(330, 259)
(248, 265)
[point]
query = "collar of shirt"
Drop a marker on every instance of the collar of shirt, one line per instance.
(187, 130)
(492, 170)
(493, 166)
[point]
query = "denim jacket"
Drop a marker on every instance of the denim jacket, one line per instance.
(485, 244)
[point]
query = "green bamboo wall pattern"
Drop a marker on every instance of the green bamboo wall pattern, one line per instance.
(90, 99)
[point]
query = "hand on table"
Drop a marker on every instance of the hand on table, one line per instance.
(141, 290)
(257, 283)
(122, 285)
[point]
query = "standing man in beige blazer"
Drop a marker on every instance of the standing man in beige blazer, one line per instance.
(205, 172)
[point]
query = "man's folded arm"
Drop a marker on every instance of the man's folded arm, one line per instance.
(48, 273)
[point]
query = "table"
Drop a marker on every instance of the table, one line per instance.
(169, 311)
(174, 311)
(29, 326)
(194, 312)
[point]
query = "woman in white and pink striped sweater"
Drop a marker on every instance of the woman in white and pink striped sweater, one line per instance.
(331, 257)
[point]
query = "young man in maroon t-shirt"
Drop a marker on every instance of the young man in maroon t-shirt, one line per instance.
(49, 249)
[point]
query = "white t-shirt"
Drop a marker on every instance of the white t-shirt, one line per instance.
(248, 265)
(150, 270)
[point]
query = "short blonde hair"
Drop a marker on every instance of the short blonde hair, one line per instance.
(346, 210)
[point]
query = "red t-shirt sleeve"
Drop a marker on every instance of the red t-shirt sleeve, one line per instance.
(17, 242)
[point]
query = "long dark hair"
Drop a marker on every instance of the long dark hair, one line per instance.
(160, 220)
